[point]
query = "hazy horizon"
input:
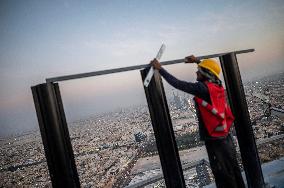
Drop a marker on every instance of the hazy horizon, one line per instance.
(43, 39)
(86, 112)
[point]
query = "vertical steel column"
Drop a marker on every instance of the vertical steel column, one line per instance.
(55, 135)
(163, 130)
(243, 125)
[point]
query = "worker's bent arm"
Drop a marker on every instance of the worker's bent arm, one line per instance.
(197, 89)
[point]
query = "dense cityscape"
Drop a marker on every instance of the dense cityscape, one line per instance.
(117, 149)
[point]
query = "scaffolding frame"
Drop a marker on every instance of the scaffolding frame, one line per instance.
(56, 139)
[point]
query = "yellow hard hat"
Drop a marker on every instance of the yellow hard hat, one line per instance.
(211, 65)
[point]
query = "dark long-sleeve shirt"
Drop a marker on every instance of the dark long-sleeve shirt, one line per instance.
(198, 89)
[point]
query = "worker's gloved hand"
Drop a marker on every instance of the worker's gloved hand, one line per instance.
(156, 64)
(191, 59)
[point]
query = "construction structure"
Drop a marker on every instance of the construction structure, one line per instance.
(57, 144)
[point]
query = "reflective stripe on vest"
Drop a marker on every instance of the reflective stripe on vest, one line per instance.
(210, 108)
(215, 112)
(204, 103)
(221, 127)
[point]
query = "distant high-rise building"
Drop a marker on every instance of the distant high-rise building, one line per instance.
(177, 101)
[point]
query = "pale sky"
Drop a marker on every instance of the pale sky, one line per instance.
(42, 39)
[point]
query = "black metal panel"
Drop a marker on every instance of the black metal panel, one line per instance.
(55, 135)
(163, 130)
(243, 125)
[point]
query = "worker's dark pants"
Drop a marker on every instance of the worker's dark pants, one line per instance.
(224, 164)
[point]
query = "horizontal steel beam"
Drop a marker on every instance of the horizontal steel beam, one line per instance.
(137, 67)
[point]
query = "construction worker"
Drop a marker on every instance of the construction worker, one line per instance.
(215, 119)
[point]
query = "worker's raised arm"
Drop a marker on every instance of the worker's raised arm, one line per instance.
(189, 59)
(197, 89)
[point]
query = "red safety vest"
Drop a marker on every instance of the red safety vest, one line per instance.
(217, 117)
